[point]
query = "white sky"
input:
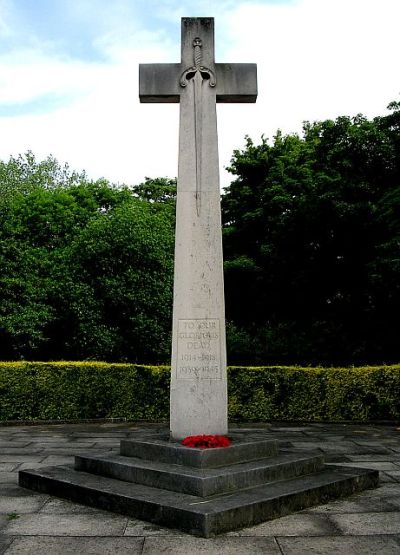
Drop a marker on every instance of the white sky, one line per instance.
(69, 74)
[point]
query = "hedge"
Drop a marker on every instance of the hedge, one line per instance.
(89, 390)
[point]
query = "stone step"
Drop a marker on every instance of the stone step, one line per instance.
(198, 515)
(197, 481)
(163, 450)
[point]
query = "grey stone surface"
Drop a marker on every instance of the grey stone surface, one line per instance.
(9, 467)
(291, 525)
(214, 546)
(347, 543)
(8, 478)
(197, 515)
(66, 525)
(32, 457)
(384, 491)
(394, 474)
(140, 528)
(76, 546)
(9, 443)
(198, 393)
(339, 546)
(393, 501)
(357, 504)
(33, 465)
(21, 504)
(13, 490)
(4, 543)
(367, 523)
(384, 477)
(56, 506)
(235, 82)
(198, 398)
(58, 459)
(387, 456)
(3, 521)
(372, 464)
(201, 482)
(161, 449)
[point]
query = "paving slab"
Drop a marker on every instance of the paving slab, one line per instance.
(299, 524)
(4, 543)
(10, 443)
(67, 450)
(364, 524)
(8, 478)
(32, 465)
(394, 474)
(8, 467)
(20, 451)
(61, 506)
(66, 525)
(20, 505)
(214, 546)
(52, 460)
(376, 465)
(3, 522)
(389, 457)
(6, 458)
(386, 491)
(63, 445)
(336, 545)
(356, 505)
(50, 439)
(74, 546)
(13, 490)
(330, 447)
(141, 528)
(384, 477)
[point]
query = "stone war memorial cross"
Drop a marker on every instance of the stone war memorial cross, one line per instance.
(200, 491)
(198, 369)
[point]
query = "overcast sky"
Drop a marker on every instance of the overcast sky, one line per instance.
(69, 74)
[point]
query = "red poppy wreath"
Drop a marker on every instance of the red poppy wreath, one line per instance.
(206, 441)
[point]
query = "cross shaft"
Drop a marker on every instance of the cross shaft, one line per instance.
(198, 366)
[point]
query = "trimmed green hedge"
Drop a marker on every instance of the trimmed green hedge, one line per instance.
(87, 390)
(82, 390)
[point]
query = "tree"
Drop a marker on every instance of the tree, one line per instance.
(86, 267)
(305, 235)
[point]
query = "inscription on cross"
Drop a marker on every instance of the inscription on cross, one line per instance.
(198, 368)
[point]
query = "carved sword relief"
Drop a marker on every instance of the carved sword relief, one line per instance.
(197, 74)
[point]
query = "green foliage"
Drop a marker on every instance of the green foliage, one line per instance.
(160, 189)
(311, 241)
(314, 394)
(311, 247)
(73, 390)
(86, 267)
(126, 262)
(87, 390)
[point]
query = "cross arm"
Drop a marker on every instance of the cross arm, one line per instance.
(159, 82)
(236, 82)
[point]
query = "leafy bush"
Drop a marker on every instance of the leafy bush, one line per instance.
(85, 390)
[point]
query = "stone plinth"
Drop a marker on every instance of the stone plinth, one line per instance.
(202, 492)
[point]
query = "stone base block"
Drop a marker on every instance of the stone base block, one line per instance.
(196, 481)
(206, 492)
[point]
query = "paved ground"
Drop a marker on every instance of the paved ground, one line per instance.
(367, 523)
